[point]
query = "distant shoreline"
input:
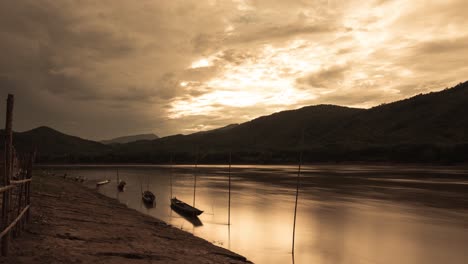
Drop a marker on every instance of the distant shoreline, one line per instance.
(45, 165)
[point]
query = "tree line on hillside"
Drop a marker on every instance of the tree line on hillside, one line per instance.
(405, 153)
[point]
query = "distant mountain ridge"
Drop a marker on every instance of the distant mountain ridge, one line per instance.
(425, 128)
(128, 139)
(53, 145)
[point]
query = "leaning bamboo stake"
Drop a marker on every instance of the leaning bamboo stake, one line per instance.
(297, 191)
(7, 175)
(195, 179)
(295, 204)
(7, 229)
(170, 174)
(229, 199)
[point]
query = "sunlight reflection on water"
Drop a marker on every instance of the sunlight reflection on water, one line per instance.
(346, 214)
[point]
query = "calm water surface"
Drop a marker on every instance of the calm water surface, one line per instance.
(346, 214)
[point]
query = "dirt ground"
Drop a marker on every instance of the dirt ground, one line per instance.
(73, 224)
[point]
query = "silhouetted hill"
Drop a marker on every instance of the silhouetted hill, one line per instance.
(52, 145)
(274, 132)
(425, 128)
(437, 117)
(224, 128)
(128, 139)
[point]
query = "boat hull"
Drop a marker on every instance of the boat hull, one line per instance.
(102, 183)
(184, 208)
(148, 198)
(121, 186)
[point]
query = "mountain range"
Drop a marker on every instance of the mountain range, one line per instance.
(429, 127)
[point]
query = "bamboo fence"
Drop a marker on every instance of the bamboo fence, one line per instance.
(16, 172)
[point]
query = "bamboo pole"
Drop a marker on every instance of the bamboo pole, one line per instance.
(229, 199)
(195, 179)
(20, 195)
(7, 229)
(295, 204)
(141, 186)
(29, 175)
(170, 174)
(19, 182)
(8, 170)
(6, 188)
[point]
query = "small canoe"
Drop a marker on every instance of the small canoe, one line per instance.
(121, 185)
(148, 197)
(102, 183)
(184, 208)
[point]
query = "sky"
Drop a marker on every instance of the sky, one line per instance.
(102, 69)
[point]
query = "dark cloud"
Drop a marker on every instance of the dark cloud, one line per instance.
(281, 32)
(326, 78)
(107, 68)
(438, 46)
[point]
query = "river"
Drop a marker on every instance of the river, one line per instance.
(346, 213)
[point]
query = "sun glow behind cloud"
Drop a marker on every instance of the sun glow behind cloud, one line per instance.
(307, 69)
(171, 66)
(267, 78)
(201, 63)
(357, 64)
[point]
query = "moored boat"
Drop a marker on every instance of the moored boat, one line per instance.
(148, 197)
(121, 185)
(184, 208)
(102, 183)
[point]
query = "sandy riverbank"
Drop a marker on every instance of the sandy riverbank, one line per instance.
(74, 224)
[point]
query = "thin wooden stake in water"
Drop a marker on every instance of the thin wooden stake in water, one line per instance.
(229, 203)
(170, 172)
(295, 205)
(195, 179)
(141, 186)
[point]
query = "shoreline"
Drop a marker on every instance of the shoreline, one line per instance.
(402, 164)
(71, 223)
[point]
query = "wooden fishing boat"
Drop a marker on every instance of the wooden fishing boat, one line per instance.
(102, 183)
(148, 197)
(121, 185)
(184, 208)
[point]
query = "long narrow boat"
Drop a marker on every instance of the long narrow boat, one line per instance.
(102, 183)
(184, 208)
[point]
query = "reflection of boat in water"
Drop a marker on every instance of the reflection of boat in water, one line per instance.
(102, 183)
(148, 198)
(120, 183)
(121, 186)
(193, 219)
(184, 208)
